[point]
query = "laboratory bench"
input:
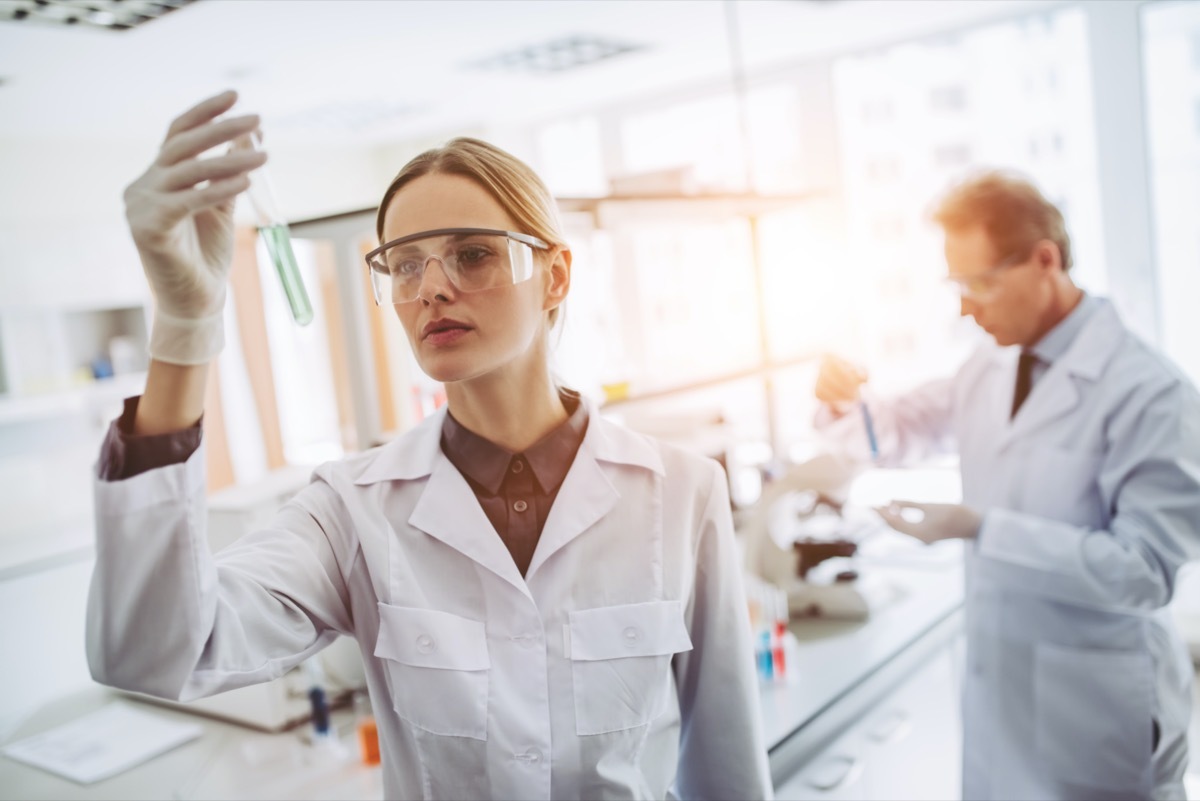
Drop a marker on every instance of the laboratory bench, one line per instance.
(227, 761)
(860, 705)
(870, 709)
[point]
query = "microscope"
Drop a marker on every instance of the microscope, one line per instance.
(801, 538)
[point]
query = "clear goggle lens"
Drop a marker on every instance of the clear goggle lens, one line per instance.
(472, 259)
(972, 288)
(983, 285)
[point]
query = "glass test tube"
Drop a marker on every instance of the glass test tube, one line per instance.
(274, 232)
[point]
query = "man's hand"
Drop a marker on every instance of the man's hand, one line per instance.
(930, 522)
(839, 383)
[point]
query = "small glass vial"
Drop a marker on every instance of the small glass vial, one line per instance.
(275, 235)
(368, 734)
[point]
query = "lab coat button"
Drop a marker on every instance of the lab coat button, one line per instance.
(632, 635)
(532, 756)
(525, 640)
(425, 644)
(520, 506)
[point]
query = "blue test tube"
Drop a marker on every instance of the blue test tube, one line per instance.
(869, 424)
(765, 657)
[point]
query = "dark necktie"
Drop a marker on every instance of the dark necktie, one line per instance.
(1024, 380)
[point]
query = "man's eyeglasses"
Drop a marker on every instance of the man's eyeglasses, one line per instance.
(983, 285)
(471, 258)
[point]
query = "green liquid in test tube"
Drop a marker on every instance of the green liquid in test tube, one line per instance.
(274, 232)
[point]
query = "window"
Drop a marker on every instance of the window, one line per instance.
(703, 140)
(1171, 54)
(948, 98)
(1021, 100)
(952, 156)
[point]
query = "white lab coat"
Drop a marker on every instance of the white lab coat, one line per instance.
(1091, 502)
(620, 665)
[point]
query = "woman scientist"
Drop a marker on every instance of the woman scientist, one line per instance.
(548, 605)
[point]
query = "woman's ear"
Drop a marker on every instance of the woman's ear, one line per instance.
(560, 279)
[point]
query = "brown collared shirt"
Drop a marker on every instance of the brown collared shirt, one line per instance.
(516, 490)
(125, 455)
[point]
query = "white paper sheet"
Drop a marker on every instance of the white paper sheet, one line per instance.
(103, 743)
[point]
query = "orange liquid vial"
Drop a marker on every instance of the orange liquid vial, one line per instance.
(368, 741)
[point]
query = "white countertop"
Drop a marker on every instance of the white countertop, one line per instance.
(831, 657)
(226, 761)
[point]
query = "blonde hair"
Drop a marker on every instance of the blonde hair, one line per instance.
(512, 182)
(1012, 211)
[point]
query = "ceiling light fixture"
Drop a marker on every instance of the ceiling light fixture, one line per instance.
(111, 15)
(557, 55)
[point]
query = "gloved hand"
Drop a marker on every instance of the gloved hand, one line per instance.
(937, 521)
(839, 383)
(183, 227)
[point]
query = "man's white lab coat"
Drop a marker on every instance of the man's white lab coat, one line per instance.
(1091, 502)
(620, 664)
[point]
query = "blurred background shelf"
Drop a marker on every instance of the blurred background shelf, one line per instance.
(104, 392)
(30, 551)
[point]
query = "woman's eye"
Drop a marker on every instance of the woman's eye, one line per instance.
(406, 268)
(473, 255)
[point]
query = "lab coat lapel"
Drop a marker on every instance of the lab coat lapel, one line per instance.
(447, 508)
(587, 493)
(586, 496)
(1053, 396)
(449, 511)
(1058, 391)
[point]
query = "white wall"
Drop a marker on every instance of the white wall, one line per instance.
(62, 183)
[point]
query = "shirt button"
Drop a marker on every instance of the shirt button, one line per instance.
(632, 635)
(520, 506)
(425, 644)
(518, 466)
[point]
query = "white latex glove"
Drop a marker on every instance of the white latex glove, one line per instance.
(930, 522)
(184, 230)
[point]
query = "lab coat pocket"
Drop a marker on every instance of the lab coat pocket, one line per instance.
(621, 663)
(438, 666)
(1093, 712)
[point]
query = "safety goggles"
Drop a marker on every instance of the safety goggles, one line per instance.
(472, 259)
(983, 286)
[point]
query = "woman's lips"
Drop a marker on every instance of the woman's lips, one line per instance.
(442, 324)
(446, 336)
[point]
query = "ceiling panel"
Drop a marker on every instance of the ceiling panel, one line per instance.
(359, 71)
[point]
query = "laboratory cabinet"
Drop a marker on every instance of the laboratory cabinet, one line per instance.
(906, 744)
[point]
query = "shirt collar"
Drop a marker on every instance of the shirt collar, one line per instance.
(415, 454)
(486, 463)
(1057, 341)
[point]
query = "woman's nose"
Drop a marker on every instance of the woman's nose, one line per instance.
(435, 283)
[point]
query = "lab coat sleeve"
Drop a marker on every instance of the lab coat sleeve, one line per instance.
(1150, 479)
(722, 750)
(908, 427)
(167, 618)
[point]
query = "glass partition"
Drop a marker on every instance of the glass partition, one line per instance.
(1171, 55)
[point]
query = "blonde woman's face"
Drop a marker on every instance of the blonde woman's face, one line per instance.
(455, 335)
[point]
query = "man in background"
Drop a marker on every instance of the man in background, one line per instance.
(1079, 448)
